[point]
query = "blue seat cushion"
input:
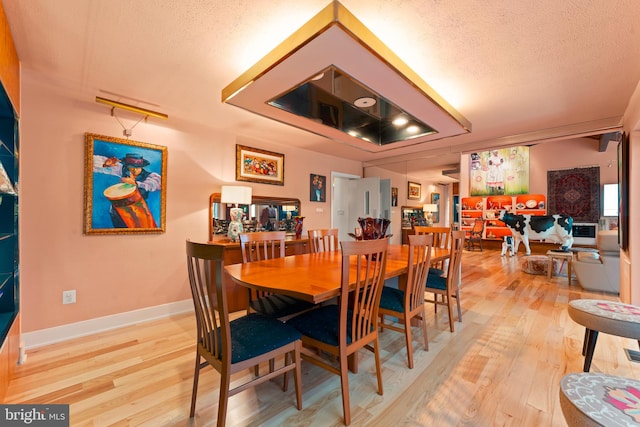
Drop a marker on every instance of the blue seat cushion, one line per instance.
(255, 334)
(277, 306)
(435, 271)
(321, 324)
(392, 299)
(436, 282)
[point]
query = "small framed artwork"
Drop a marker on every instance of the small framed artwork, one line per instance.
(394, 196)
(255, 165)
(435, 199)
(125, 186)
(317, 188)
(415, 191)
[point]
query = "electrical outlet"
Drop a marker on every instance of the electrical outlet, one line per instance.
(69, 297)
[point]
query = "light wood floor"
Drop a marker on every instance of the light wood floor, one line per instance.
(501, 367)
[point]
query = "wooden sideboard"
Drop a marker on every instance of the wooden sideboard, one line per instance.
(229, 253)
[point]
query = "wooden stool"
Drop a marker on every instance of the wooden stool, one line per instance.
(604, 316)
(564, 256)
(595, 399)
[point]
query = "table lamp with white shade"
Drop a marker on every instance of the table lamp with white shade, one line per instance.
(430, 208)
(237, 195)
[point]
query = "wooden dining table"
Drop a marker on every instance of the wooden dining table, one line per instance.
(314, 277)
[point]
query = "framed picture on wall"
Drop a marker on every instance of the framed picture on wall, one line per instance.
(394, 196)
(255, 165)
(125, 186)
(414, 191)
(317, 188)
(435, 199)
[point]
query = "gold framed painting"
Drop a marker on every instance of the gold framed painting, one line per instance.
(256, 165)
(125, 186)
(414, 191)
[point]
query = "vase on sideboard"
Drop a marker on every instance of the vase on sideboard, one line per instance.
(298, 225)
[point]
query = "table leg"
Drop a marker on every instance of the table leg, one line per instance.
(591, 346)
(569, 270)
(549, 267)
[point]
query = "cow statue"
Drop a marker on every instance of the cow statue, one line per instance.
(508, 245)
(558, 228)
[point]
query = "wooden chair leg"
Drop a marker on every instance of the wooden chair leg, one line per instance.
(344, 381)
(223, 402)
(285, 383)
(458, 305)
(297, 375)
(450, 309)
(408, 339)
(376, 353)
(194, 393)
(423, 324)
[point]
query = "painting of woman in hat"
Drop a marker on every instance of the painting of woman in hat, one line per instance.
(127, 186)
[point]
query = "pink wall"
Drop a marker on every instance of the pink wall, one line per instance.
(119, 273)
(567, 154)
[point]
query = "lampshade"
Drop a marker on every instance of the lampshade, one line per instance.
(430, 207)
(236, 194)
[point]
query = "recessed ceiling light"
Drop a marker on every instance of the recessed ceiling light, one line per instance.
(400, 121)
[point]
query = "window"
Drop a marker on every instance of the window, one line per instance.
(610, 200)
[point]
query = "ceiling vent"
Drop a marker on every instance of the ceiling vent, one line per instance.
(452, 173)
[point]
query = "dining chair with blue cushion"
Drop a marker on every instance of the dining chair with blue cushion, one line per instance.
(341, 330)
(441, 239)
(233, 346)
(262, 245)
(447, 286)
(409, 304)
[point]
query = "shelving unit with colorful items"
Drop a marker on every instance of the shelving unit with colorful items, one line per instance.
(470, 209)
(489, 208)
(532, 204)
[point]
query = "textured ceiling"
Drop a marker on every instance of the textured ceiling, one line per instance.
(517, 72)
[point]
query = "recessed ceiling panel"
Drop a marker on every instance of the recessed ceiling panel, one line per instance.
(327, 45)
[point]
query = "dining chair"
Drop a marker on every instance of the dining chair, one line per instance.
(448, 286)
(232, 346)
(441, 239)
(323, 240)
(474, 235)
(261, 245)
(409, 304)
(341, 330)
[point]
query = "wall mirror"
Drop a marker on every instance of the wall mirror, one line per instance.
(265, 213)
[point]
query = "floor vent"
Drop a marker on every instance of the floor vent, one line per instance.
(633, 355)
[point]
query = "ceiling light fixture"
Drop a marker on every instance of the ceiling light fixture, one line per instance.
(354, 65)
(132, 108)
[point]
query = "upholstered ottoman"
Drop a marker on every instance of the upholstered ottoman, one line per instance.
(538, 264)
(610, 317)
(593, 399)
